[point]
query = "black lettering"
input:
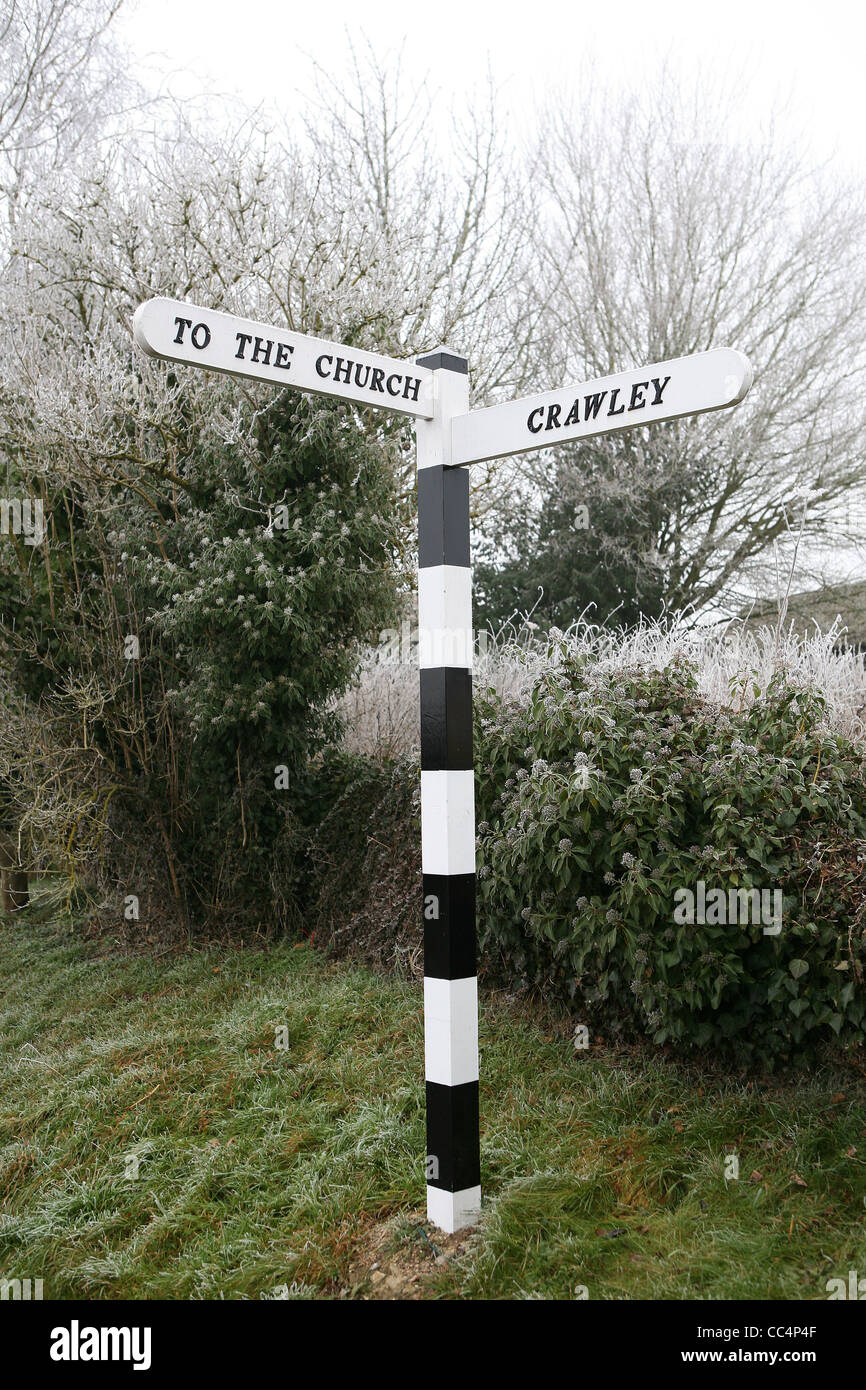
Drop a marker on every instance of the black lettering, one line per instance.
(592, 404)
(613, 396)
(200, 328)
(341, 366)
(377, 381)
(263, 345)
(181, 325)
(635, 403)
(243, 338)
(553, 417)
(319, 360)
(534, 429)
(413, 384)
(573, 416)
(659, 387)
(396, 378)
(284, 351)
(359, 368)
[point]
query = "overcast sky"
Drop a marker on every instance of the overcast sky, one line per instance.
(805, 57)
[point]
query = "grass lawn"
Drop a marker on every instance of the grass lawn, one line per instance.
(302, 1168)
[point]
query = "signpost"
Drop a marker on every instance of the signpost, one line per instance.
(435, 390)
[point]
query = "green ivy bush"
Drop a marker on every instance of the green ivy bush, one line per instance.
(252, 593)
(604, 795)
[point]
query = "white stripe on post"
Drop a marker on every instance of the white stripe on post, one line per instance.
(445, 629)
(451, 1030)
(450, 399)
(451, 1211)
(448, 822)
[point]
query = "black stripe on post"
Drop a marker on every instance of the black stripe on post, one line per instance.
(449, 925)
(443, 517)
(446, 719)
(452, 1136)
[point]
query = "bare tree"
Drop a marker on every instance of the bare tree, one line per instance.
(665, 234)
(443, 215)
(61, 77)
(450, 194)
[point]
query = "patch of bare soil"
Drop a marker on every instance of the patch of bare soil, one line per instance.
(397, 1259)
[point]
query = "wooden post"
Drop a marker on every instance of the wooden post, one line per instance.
(445, 644)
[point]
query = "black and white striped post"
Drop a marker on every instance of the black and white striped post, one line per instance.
(447, 807)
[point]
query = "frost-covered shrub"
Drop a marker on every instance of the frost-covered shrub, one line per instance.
(611, 803)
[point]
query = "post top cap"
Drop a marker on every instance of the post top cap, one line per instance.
(444, 357)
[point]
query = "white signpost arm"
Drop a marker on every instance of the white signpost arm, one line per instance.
(642, 396)
(178, 332)
(447, 808)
